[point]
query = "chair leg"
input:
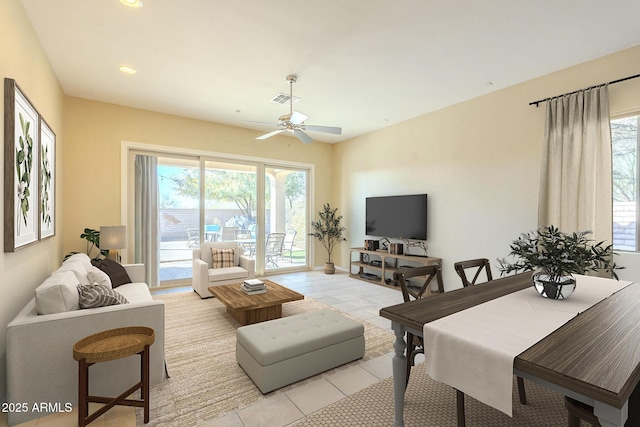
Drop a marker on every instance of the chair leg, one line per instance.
(460, 408)
(521, 391)
(573, 421)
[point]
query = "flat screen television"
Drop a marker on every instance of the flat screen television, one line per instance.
(400, 217)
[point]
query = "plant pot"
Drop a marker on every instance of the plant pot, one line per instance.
(561, 288)
(329, 268)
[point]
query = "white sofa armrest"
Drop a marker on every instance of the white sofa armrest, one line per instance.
(136, 272)
(40, 364)
(200, 277)
(248, 264)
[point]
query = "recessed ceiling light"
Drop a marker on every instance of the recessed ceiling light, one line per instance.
(131, 3)
(127, 70)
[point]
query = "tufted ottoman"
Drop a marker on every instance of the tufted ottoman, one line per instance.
(282, 351)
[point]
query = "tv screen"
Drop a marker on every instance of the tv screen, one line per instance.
(400, 217)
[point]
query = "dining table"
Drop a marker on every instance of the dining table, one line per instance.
(591, 353)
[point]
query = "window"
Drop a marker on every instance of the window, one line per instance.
(625, 142)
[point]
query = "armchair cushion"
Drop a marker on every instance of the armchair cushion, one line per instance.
(58, 293)
(223, 258)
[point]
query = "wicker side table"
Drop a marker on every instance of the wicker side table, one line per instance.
(106, 346)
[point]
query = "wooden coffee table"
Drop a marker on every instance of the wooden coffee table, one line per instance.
(249, 309)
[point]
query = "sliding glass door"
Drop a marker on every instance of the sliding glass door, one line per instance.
(285, 213)
(263, 207)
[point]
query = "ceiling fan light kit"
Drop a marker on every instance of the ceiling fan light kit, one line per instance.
(293, 122)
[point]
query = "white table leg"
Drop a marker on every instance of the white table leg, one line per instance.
(610, 416)
(399, 373)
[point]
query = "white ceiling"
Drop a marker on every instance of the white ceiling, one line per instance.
(361, 64)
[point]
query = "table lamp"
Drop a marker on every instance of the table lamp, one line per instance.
(113, 238)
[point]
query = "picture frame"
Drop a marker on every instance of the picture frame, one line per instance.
(21, 164)
(47, 180)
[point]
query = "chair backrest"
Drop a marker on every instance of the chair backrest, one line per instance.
(289, 238)
(243, 234)
(229, 233)
(476, 265)
(274, 243)
(416, 292)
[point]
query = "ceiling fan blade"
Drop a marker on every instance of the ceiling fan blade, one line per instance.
(297, 118)
(325, 129)
(270, 134)
(302, 136)
(260, 123)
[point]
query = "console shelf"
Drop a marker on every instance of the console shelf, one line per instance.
(388, 264)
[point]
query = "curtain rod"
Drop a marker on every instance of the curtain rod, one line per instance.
(581, 90)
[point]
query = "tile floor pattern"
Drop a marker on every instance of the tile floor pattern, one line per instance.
(359, 298)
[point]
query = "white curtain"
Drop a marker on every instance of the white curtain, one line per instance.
(146, 216)
(575, 180)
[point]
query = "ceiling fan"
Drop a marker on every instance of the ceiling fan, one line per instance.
(294, 121)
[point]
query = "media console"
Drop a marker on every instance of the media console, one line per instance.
(378, 264)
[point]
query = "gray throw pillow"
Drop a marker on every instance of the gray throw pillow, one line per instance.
(96, 295)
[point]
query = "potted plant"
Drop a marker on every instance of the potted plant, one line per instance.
(328, 231)
(93, 238)
(554, 256)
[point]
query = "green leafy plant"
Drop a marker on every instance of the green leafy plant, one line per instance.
(24, 166)
(328, 229)
(93, 241)
(559, 253)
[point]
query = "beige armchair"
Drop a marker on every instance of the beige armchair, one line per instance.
(227, 268)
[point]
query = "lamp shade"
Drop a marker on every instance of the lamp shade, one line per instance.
(113, 237)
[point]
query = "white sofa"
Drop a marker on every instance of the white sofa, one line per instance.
(40, 364)
(204, 275)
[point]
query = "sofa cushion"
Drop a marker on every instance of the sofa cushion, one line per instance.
(135, 292)
(80, 257)
(96, 275)
(114, 270)
(219, 274)
(222, 258)
(58, 293)
(78, 268)
(96, 295)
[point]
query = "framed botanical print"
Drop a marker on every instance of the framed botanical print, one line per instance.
(21, 149)
(47, 177)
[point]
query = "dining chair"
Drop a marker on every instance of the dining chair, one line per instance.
(410, 291)
(273, 248)
(249, 244)
(477, 266)
(287, 245)
(577, 411)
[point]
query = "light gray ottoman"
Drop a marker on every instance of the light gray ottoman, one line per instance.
(279, 352)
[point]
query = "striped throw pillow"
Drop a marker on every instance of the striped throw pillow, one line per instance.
(97, 295)
(222, 257)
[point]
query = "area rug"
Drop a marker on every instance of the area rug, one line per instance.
(429, 403)
(205, 379)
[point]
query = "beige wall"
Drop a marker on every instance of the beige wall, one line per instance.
(94, 132)
(22, 59)
(477, 160)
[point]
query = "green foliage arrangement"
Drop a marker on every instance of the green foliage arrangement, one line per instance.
(93, 241)
(24, 166)
(559, 253)
(328, 229)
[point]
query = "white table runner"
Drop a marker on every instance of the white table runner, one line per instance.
(473, 350)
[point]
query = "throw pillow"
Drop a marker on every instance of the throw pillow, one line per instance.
(96, 295)
(98, 276)
(222, 258)
(114, 270)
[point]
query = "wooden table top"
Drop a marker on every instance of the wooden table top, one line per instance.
(233, 297)
(596, 354)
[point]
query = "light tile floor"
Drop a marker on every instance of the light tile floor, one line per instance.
(361, 299)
